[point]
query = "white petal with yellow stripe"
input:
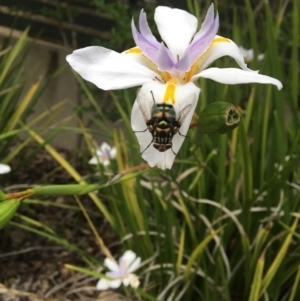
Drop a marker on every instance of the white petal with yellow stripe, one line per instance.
(225, 47)
(184, 99)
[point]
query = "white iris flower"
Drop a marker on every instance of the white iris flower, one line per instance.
(4, 169)
(122, 272)
(103, 155)
(167, 72)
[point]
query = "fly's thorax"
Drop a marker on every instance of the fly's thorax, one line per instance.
(163, 124)
(163, 109)
(163, 115)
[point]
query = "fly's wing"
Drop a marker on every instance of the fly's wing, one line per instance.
(185, 108)
(145, 102)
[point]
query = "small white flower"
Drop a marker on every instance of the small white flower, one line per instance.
(121, 273)
(249, 54)
(104, 154)
(4, 169)
(167, 72)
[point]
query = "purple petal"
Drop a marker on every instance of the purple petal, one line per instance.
(209, 18)
(204, 37)
(114, 274)
(145, 40)
(122, 267)
(145, 29)
(165, 59)
(176, 28)
(184, 64)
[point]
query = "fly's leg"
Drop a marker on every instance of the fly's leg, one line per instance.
(152, 97)
(141, 131)
(147, 147)
(158, 79)
(173, 151)
(181, 134)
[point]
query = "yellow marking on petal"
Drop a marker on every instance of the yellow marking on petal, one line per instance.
(170, 93)
(195, 67)
(134, 50)
(192, 71)
(166, 76)
(220, 40)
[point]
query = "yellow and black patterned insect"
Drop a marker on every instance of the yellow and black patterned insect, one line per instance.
(162, 123)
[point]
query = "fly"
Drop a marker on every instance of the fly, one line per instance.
(162, 123)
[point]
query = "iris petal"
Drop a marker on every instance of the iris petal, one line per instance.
(209, 18)
(165, 60)
(233, 76)
(185, 95)
(109, 70)
(154, 158)
(222, 47)
(176, 27)
(128, 258)
(4, 169)
(115, 283)
(111, 265)
(113, 152)
(184, 64)
(145, 29)
(149, 47)
(105, 147)
(134, 265)
(103, 284)
(135, 54)
(205, 36)
(162, 160)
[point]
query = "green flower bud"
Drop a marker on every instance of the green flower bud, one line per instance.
(68, 189)
(7, 211)
(218, 118)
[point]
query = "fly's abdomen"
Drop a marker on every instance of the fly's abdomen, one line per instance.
(162, 138)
